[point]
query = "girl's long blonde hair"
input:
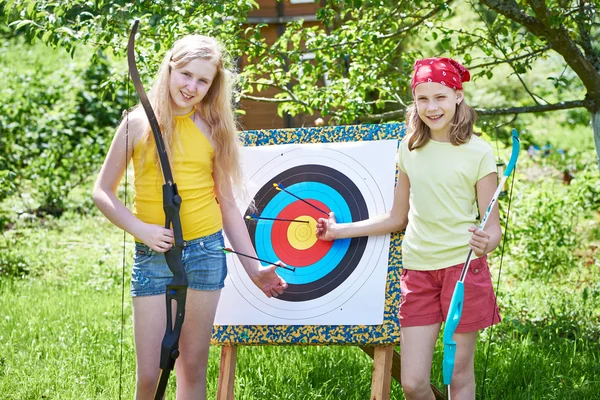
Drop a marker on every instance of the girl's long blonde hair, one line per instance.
(461, 129)
(216, 108)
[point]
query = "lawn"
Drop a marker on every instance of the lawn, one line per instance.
(65, 323)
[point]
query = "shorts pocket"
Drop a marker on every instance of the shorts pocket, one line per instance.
(479, 268)
(213, 246)
(142, 253)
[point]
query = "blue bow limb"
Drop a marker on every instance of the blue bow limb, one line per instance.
(454, 314)
(514, 155)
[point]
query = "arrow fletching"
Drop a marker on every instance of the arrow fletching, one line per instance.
(226, 250)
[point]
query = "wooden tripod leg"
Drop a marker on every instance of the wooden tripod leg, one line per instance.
(227, 373)
(382, 372)
(396, 370)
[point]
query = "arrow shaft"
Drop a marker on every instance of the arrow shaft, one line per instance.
(261, 260)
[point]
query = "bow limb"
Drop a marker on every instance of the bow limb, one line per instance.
(457, 301)
(177, 288)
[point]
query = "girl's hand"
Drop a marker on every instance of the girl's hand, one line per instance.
(326, 228)
(267, 280)
(479, 241)
(157, 237)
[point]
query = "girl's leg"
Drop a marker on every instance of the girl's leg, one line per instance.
(149, 317)
(417, 345)
(463, 379)
(194, 344)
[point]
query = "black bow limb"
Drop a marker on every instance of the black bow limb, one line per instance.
(177, 288)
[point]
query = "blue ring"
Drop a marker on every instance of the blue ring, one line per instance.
(305, 190)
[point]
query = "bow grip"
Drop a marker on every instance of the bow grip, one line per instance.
(171, 206)
(452, 320)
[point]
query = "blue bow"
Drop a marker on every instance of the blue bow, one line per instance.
(456, 304)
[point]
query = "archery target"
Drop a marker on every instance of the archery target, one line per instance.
(329, 276)
(320, 266)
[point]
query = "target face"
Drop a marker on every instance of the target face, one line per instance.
(321, 266)
(332, 279)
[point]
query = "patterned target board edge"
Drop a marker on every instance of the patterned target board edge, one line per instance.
(386, 333)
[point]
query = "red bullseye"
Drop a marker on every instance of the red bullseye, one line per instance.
(285, 250)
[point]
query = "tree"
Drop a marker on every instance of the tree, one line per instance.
(356, 65)
(570, 28)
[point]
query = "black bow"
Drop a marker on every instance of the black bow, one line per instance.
(177, 288)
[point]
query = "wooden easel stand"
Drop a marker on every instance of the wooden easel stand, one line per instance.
(386, 364)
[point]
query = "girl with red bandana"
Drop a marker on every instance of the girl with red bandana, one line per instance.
(446, 179)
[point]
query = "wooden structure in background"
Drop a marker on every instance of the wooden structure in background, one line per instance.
(263, 115)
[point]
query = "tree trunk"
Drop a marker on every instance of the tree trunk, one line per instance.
(596, 128)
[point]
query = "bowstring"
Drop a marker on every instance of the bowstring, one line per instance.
(490, 339)
(124, 243)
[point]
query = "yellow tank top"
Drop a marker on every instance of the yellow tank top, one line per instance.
(193, 169)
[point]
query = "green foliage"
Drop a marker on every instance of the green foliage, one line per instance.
(354, 64)
(12, 261)
(314, 68)
(60, 328)
(543, 233)
(546, 227)
(567, 316)
(57, 125)
(7, 179)
(556, 198)
(555, 321)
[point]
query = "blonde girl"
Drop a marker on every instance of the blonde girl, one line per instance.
(192, 99)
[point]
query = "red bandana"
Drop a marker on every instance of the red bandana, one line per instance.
(446, 71)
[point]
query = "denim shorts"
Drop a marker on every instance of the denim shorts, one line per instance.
(203, 260)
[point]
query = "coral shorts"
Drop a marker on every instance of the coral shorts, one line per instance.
(426, 296)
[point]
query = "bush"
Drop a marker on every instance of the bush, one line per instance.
(57, 125)
(12, 261)
(545, 231)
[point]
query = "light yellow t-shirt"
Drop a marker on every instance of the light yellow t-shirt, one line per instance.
(193, 169)
(443, 201)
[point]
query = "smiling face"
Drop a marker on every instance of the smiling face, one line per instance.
(189, 84)
(436, 105)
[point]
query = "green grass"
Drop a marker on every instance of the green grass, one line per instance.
(61, 291)
(60, 328)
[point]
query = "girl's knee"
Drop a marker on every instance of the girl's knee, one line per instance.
(415, 387)
(146, 381)
(464, 373)
(192, 371)
(462, 380)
